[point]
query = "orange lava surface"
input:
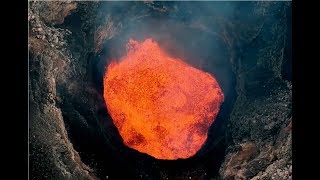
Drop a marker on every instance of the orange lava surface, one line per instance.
(160, 105)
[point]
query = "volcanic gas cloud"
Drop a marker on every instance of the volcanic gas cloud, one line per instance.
(160, 105)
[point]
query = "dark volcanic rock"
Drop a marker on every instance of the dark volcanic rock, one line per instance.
(262, 111)
(52, 156)
(54, 12)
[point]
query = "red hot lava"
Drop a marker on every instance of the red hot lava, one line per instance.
(160, 105)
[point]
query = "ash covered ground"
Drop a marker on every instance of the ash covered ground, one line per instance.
(246, 45)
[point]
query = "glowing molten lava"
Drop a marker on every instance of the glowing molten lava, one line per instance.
(160, 105)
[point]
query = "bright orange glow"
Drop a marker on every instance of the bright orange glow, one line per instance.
(160, 105)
